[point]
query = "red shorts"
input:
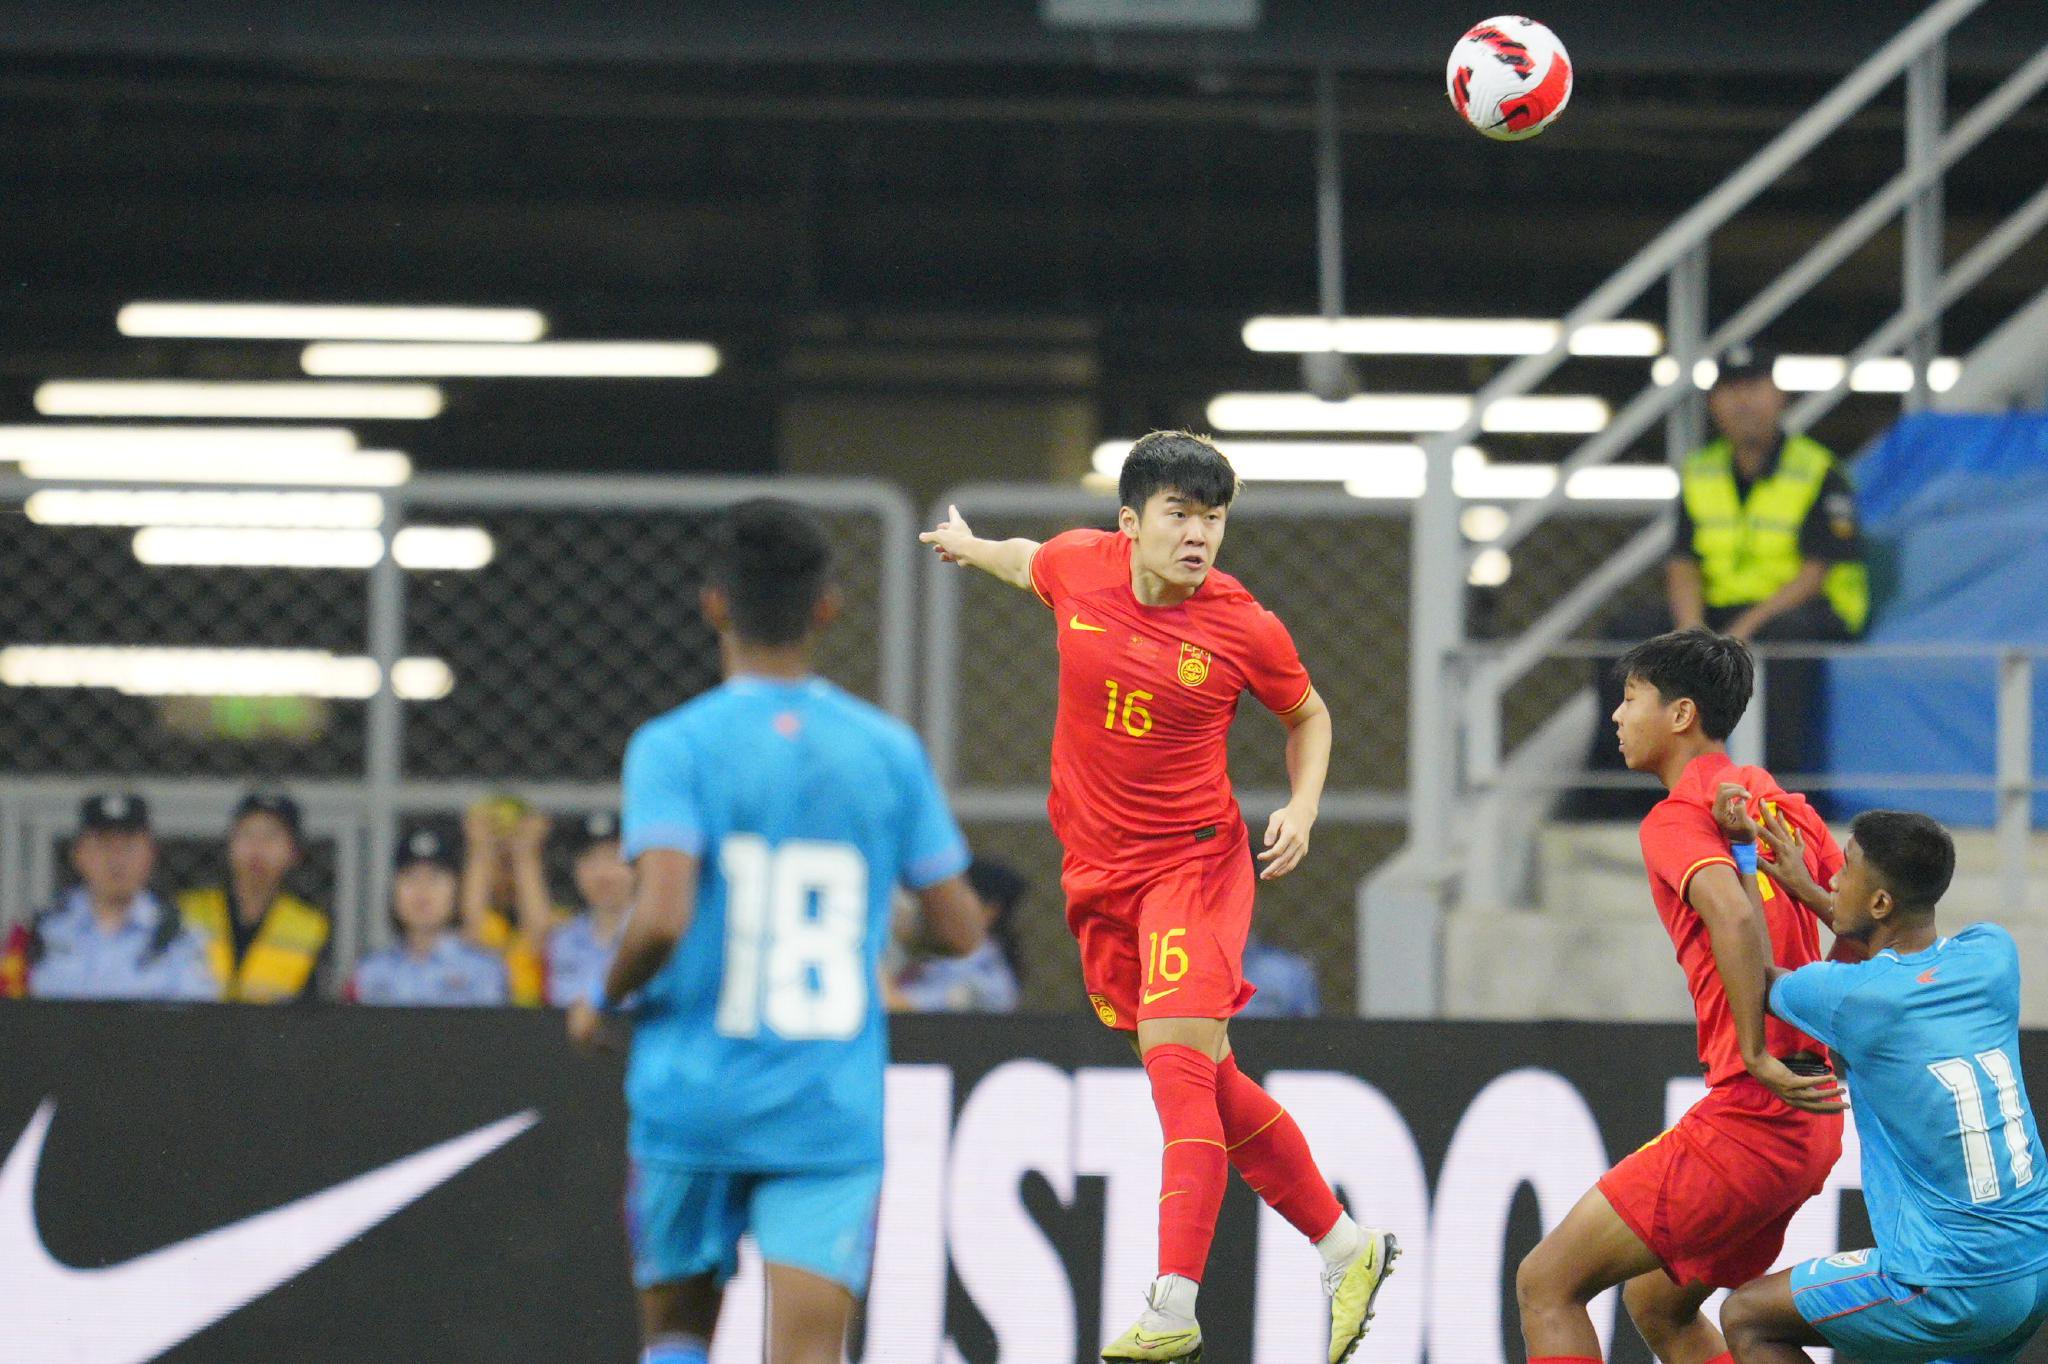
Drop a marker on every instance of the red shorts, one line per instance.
(1711, 1196)
(1166, 943)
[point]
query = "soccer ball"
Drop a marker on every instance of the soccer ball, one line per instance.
(1509, 77)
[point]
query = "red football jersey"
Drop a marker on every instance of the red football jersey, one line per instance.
(1680, 839)
(1147, 693)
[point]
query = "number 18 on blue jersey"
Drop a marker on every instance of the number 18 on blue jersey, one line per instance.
(761, 1044)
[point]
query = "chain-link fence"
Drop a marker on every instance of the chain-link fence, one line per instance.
(548, 620)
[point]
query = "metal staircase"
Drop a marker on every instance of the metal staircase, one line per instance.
(1459, 771)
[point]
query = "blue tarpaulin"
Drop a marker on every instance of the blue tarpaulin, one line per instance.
(1955, 511)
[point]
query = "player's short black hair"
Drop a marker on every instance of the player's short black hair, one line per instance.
(772, 560)
(1714, 672)
(1912, 854)
(1177, 461)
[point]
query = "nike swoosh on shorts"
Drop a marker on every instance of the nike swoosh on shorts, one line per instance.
(137, 1310)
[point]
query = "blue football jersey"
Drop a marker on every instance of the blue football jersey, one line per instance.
(1952, 1163)
(761, 1044)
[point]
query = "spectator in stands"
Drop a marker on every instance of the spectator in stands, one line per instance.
(580, 951)
(506, 906)
(265, 944)
(431, 963)
(1766, 548)
(1286, 981)
(987, 979)
(110, 936)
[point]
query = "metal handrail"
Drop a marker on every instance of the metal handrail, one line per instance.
(1454, 691)
(1692, 230)
(1815, 264)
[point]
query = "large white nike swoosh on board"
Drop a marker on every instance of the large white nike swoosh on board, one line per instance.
(132, 1312)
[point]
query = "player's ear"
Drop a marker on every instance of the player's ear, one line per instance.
(717, 608)
(1683, 712)
(1882, 905)
(830, 603)
(1127, 521)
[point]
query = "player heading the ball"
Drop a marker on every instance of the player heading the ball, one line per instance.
(1156, 647)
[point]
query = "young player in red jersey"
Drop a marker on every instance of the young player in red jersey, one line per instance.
(1704, 1205)
(1155, 649)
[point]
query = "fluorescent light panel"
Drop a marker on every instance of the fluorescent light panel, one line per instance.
(143, 670)
(137, 507)
(1447, 336)
(330, 321)
(425, 548)
(263, 401)
(356, 469)
(55, 440)
(1818, 373)
(1410, 412)
(1376, 469)
(546, 360)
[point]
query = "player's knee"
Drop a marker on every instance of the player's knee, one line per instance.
(1743, 1319)
(1654, 1313)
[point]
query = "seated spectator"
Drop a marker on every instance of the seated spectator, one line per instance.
(430, 963)
(580, 951)
(265, 944)
(110, 937)
(506, 907)
(1766, 547)
(1286, 981)
(986, 980)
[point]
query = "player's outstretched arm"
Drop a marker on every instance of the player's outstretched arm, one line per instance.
(952, 915)
(1009, 560)
(1734, 915)
(1308, 767)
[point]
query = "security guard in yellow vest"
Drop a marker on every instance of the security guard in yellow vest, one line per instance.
(1766, 547)
(265, 945)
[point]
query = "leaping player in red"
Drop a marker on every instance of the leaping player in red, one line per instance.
(1705, 1205)
(1156, 646)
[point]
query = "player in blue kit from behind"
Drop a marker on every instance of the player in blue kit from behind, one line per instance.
(769, 821)
(1927, 1030)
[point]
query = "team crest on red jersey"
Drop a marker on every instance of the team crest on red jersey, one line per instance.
(1194, 665)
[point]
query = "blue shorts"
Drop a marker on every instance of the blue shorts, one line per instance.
(1867, 1314)
(684, 1222)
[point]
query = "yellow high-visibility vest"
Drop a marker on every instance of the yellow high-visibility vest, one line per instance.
(281, 957)
(1749, 549)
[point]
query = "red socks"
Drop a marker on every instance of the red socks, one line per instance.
(1268, 1149)
(1193, 1170)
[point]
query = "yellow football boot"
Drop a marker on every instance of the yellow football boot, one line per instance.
(1354, 1288)
(1179, 1347)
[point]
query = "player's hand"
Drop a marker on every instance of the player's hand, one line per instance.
(1286, 841)
(950, 537)
(590, 1029)
(1788, 859)
(1731, 812)
(1821, 1093)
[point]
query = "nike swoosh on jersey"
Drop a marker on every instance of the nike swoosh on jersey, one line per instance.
(135, 1311)
(1927, 977)
(1076, 623)
(1152, 998)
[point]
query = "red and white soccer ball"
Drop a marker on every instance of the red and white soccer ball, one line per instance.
(1509, 78)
